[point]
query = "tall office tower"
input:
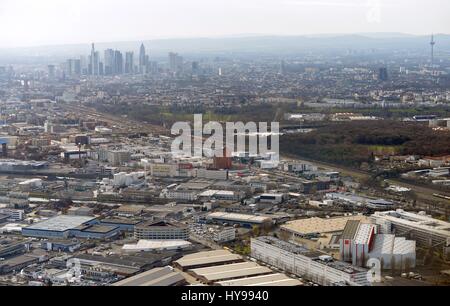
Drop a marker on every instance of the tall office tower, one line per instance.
(142, 60)
(96, 63)
(175, 62)
(109, 62)
(383, 74)
(152, 67)
(282, 67)
(100, 69)
(118, 62)
(69, 67)
(129, 65)
(92, 60)
(77, 66)
(51, 71)
(147, 63)
(84, 62)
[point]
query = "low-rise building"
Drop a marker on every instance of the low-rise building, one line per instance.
(224, 234)
(420, 227)
(312, 265)
(161, 230)
(240, 219)
(65, 226)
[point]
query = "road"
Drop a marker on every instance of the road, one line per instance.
(424, 193)
(132, 126)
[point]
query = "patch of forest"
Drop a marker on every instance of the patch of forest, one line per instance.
(352, 143)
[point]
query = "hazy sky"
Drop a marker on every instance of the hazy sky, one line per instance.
(40, 22)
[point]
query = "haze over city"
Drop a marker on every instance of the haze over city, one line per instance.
(224, 150)
(50, 22)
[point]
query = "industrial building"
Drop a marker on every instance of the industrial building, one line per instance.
(275, 279)
(312, 265)
(126, 225)
(210, 275)
(21, 165)
(224, 234)
(220, 195)
(99, 267)
(163, 170)
(222, 268)
(80, 211)
(10, 248)
(65, 226)
(206, 259)
(157, 245)
(428, 232)
(164, 276)
(361, 242)
(13, 214)
(355, 200)
(61, 245)
(240, 219)
(212, 174)
(394, 252)
(161, 230)
(314, 226)
(273, 198)
(17, 263)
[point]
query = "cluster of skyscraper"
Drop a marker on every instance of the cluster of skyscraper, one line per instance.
(176, 62)
(113, 63)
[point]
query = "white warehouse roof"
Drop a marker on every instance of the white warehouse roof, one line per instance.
(276, 279)
(238, 217)
(60, 223)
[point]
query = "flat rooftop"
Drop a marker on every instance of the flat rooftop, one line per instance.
(313, 255)
(276, 279)
(164, 276)
(60, 223)
(121, 221)
(238, 217)
(143, 245)
(288, 246)
(161, 224)
(319, 225)
(207, 258)
(418, 221)
(101, 229)
(230, 271)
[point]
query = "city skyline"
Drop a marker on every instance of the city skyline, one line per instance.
(223, 148)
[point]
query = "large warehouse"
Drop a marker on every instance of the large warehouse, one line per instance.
(312, 265)
(360, 242)
(209, 275)
(160, 230)
(164, 276)
(221, 267)
(314, 226)
(420, 227)
(394, 252)
(206, 259)
(240, 219)
(65, 226)
(275, 279)
(157, 246)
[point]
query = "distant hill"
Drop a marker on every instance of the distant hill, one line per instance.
(248, 44)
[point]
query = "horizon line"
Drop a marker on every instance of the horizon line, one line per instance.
(226, 36)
